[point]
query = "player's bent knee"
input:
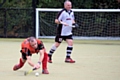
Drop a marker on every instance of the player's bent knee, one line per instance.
(57, 44)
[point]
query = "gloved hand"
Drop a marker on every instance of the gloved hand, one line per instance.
(75, 25)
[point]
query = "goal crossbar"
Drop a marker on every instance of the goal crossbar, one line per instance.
(79, 10)
(75, 10)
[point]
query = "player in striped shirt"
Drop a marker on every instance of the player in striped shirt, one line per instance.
(64, 21)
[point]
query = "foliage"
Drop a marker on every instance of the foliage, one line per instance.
(59, 3)
(16, 16)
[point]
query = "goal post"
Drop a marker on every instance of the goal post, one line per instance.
(99, 24)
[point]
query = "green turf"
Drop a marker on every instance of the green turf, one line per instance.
(94, 61)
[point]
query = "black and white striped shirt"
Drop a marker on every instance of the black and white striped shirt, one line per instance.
(67, 17)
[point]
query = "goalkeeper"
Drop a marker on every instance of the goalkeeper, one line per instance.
(64, 21)
(31, 46)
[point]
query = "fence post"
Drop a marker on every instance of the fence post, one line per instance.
(34, 15)
(5, 23)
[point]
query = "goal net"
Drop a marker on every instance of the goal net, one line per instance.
(94, 23)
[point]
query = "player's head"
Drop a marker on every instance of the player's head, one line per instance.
(67, 5)
(33, 42)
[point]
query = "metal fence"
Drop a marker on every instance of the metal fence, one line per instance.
(16, 22)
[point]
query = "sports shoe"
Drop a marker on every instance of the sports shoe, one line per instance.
(50, 61)
(69, 60)
(45, 71)
(16, 67)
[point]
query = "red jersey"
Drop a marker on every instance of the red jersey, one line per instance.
(28, 50)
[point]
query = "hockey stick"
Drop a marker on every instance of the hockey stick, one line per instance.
(30, 71)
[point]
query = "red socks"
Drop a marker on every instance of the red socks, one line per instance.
(44, 62)
(21, 63)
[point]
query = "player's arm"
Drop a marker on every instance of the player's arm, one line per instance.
(26, 51)
(28, 55)
(41, 52)
(73, 21)
(74, 24)
(59, 18)
(73, 17)
(60, 22)
(57, 21)
(30, 61)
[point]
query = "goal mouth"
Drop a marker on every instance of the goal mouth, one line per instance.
(101, 24)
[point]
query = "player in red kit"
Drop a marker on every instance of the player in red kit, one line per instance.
(31, 46)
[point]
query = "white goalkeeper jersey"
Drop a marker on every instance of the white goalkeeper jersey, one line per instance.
(67, 17)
